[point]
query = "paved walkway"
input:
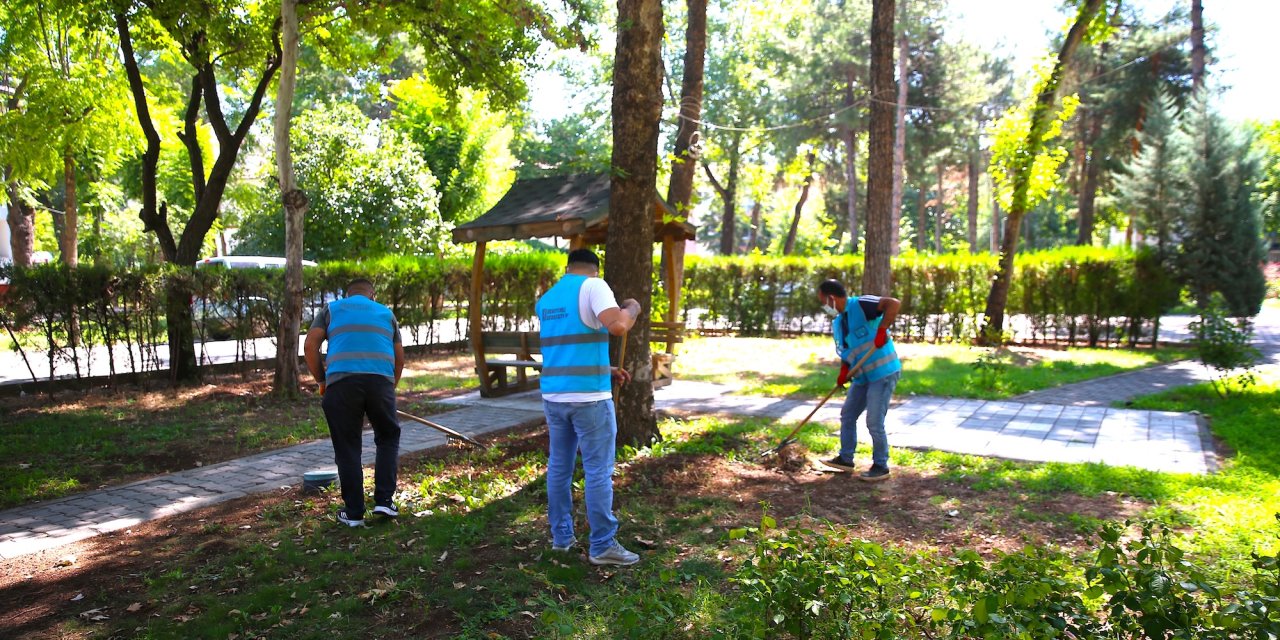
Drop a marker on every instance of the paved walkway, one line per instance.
(1067, 424)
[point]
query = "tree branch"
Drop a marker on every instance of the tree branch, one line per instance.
(191, 139)
(152, 221)
(715, 183)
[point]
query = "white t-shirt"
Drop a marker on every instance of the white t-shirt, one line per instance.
(594, 298)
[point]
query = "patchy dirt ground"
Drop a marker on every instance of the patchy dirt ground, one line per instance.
(42, 592)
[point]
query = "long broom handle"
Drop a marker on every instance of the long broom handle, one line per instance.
(441, 428)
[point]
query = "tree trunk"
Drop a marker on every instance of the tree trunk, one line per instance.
(876, 273)
(922, 222)
(900, 133)
(790, 246)
(285, 382)
(22, 231)
(1197, 44)
(1042, 113)
(940, 211)
(729, 196)
(753, 234)
(685, 163)
(995, 221)
(68, 240)
(1089, 190)
(851, 177)
(637, 111)
(974, 169)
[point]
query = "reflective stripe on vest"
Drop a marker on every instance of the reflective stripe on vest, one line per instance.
(575, 357)
(859, 334)
(361, 336)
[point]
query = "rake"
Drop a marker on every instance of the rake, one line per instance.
(791, 437)
(446, 430)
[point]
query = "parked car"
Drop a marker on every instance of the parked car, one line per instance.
(250, 317)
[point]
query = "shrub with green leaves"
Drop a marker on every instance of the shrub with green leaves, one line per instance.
(1224, 346)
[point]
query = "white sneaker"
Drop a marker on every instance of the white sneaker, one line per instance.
(617, 555)
(556, 547)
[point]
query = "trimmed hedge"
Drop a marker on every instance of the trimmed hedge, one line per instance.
(1075, 295)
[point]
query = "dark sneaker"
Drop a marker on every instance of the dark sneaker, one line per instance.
(616, 555)
(350, 522)
(390, 509)
(564, 547)
(875, 474)
(839, 462)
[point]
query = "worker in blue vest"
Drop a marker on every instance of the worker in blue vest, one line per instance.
(576, 317)
(358, 378)
(858, 329)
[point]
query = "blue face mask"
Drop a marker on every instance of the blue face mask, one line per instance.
(830, 310)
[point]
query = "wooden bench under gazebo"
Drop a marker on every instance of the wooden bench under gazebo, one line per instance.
(574, 207)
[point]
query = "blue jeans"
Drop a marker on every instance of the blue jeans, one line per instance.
(874, 399)
(592, 429)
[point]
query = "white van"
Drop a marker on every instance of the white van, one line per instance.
(249, 262)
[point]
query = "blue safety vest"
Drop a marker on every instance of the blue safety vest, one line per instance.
(361, 336)
(575, 357)
(855, 336)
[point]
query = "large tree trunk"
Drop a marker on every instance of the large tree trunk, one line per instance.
(900, 132)
(876, 274)
(790, 246)
(637, 110)
(68, 239)
(684, 165)
(285, 381)
(1089, 189)
(1197, 44)
(974, 172)
(1042, 115)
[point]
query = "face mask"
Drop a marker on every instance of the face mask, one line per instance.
(830, 310)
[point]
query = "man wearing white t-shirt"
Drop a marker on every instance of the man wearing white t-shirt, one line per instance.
(576, 317)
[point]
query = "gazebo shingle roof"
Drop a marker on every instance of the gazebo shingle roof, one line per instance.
(563, 206)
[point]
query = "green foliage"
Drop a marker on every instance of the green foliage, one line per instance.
(371, 192)
(1072, 294)
(465, 145)
(1225, 346)
(1267, 144)
(1223, 248)
(1154, 187)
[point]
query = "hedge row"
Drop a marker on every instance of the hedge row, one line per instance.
(1074, 295)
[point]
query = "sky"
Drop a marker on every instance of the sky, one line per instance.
(1245, 43)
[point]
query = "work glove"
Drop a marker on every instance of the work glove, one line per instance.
(844, 374)
(882, 336)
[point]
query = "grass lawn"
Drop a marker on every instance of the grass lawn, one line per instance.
(469, 555)
(806, 367)
(77, 441)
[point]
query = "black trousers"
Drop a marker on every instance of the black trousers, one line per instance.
(346, 403)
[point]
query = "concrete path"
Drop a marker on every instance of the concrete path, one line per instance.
(1156, 440)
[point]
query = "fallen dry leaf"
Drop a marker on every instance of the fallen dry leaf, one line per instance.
(134, 608)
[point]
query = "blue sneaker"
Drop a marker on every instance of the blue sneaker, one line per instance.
(350, 522)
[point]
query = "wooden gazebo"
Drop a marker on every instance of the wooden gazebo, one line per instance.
(574, 207)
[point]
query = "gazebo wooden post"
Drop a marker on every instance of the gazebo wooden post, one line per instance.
(578, 241)
(475, 313)
(673, 288)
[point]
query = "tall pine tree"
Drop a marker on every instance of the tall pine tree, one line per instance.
(1223, 249)
(1154, 187)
